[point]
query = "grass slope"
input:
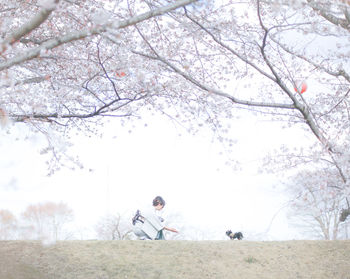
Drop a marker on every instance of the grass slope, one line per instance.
(175, 259)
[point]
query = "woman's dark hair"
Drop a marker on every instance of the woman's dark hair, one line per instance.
(158, 200)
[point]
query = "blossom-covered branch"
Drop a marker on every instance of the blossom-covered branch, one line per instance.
(79, 35)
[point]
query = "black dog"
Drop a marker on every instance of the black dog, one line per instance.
(235, 235)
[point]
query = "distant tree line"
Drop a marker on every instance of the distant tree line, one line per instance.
(312, 211)
(43, 221)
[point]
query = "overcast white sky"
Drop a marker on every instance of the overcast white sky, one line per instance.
(129, 170)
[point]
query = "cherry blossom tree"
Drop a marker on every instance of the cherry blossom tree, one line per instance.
(316, 203)
(276, 43)
(68, 64)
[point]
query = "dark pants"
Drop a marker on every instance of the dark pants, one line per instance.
(160, 235)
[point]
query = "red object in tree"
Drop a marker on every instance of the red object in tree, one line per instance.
(302, 88)
(121, 74)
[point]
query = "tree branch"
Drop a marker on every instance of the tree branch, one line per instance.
(303, 109)
(79, 35)
(344, 23)
(27, 81)
(339, 73)
(29, 26)
(101, 111)
(105, 71)
(225, 46)
(216, 91)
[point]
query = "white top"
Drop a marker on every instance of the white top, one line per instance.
(152, 224)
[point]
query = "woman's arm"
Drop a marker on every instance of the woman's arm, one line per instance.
(170, 229)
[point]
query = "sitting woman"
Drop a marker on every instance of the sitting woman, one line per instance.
(148, 225)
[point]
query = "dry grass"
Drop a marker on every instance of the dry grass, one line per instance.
(175, 259)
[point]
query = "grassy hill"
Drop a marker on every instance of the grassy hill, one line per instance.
(175, 259)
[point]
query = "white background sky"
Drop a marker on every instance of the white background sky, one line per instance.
(130, 168)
